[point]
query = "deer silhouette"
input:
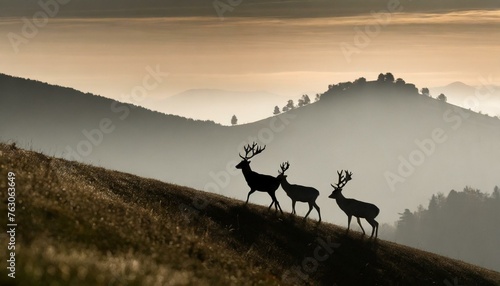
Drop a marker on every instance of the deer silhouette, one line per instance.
(256, 181)
(353, 207)
(299, 193)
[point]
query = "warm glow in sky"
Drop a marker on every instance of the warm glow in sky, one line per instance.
(288, 57)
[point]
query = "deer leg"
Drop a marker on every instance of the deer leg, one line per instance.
(276, 203)
(272, 203)
(359, 222)
(251, 192)
(310, 209)
(317, 208)
(273, 197)
(293, 207)
(348, 222)
(374, 225)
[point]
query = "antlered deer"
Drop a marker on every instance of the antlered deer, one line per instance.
(299, 193)
(353, 207)
(256, 181)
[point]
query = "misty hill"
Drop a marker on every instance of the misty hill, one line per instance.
(83, 225)
(485, 98)
(455, 88)
(220, 105)
(384, 133)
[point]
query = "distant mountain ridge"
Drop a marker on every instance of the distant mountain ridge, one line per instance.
(220, 105)
(485, 98)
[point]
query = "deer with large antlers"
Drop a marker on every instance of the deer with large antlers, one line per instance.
(256, 181)
(353, 207)
(299, 193)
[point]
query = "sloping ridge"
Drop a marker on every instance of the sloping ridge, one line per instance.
(85, 225)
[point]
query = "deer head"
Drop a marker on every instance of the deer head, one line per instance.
(250, 152)
(284, 166)
(343, 179)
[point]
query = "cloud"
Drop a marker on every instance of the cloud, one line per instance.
(245, 8)
(285, 55)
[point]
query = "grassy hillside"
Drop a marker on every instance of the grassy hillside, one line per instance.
(83, 225)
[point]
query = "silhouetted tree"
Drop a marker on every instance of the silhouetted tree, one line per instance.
(405, 226)
(425, 91)
(318, 97)
(442, 97)
(406, 218)
(285, 108)
(234, 120)
(290, 105)
(400, 81)
(381, 77)
(433, 204)
(360, 80)
(304, 100)
(276, 110)
(389, 77)
(496, 193)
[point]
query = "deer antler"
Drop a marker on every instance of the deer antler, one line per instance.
(251, 148)
(343, 179)
(284, 167)
(348, 176)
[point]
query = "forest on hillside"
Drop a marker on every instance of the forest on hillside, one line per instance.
(462, 225)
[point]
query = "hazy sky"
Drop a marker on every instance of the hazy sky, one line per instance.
(84, 47)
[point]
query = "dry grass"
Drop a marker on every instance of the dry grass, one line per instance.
(83, 225)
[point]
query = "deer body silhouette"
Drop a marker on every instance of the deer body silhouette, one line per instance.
(256, 181)
(299, 193)
(353, 207)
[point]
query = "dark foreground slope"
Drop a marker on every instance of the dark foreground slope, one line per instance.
(79, 224)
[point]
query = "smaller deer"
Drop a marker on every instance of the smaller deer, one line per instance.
(256, 181)
(353, 207)
(299, 193)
